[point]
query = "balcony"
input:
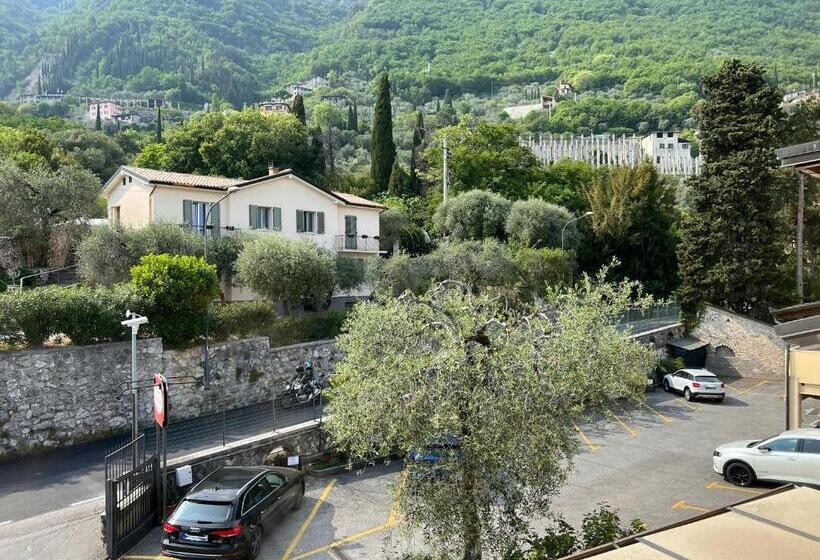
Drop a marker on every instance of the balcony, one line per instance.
(356, 244)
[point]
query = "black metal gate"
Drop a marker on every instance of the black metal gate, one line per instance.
(131, 496)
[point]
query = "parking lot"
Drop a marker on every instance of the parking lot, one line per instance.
(651, 461)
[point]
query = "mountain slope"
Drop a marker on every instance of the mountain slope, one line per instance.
(241, 49)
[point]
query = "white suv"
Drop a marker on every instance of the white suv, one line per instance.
(793, 456)
(695, 383)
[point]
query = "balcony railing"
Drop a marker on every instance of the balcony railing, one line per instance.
(358, 243)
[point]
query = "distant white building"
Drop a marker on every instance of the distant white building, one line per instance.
(547, 103)
(274, 106)
(566, 89)
(664, 147)
(299, 88)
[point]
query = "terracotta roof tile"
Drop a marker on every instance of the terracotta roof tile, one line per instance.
(357, 200)
(183, 179)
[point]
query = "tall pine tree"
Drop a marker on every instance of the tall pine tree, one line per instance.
(158, 137)
(382, 149)
(728, 255)
(298, 108)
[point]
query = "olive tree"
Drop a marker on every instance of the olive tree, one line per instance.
(287, 271)
(502, 384)
(538, 223)
(473, 215)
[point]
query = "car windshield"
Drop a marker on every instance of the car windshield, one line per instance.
(706, 378)
(203, 512)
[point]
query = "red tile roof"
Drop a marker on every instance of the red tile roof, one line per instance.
(182, 179)
(357, 200)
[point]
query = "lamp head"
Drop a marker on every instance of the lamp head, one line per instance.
(232, 190)
(588, 214)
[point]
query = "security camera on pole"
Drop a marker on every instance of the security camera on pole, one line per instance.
(134, 321)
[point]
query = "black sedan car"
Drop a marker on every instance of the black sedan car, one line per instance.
(226, 514)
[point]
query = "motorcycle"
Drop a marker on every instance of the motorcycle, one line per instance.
(303, 388)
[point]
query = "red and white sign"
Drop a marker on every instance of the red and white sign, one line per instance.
(160, 400)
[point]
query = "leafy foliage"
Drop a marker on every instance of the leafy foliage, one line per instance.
(177, 290)
(537, 223)
(287, 271)
(728, 246)
(449, 364)
(475, 215)
(241, 318)
(541, 269)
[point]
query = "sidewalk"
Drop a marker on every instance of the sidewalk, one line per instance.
(72, 533)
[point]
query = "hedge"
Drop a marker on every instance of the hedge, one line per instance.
(241, 318)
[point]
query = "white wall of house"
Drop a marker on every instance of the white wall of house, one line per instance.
(129, 204)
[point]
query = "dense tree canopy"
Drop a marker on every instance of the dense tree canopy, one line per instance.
(473, 214)
(728, 253)
(452, 366)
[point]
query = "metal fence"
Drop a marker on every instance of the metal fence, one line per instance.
(125, 458)
(226, 425)
(656, 316)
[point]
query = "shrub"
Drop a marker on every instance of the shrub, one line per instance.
(306, 327)
(537, 223)
(400, 273)
(539, 268)
(5, 280)
(93, 314)
(241, 318)
(107, 254)
(476, 263)
(350, 272)
(473, 215)
(176, 290)
(287, 271)
(32, 312)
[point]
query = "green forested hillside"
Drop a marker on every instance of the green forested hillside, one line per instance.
(241, 50)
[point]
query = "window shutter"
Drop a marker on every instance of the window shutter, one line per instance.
(350, 226)
(187, 212)
(215, 221)
(277, 218)
(300, 221)
(321, 218)
(253, 217)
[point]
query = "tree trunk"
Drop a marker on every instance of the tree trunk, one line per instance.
(469, 517)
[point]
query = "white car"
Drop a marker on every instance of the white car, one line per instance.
(694, 383)
(793, 456)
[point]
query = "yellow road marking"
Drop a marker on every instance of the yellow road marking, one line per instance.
(632, 432)
(755, 386)
(690, 406)
(658, 414)
(717, 485)
(345, 540)
(683, 505)
(301, 533)
(592, 447)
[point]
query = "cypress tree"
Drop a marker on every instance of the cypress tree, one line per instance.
(299, 108)
(355, 116)
(351, 125)
(418, 138)
(158, 138)
(98, 120)
(382, 148)
(728, 255)
(395, 185)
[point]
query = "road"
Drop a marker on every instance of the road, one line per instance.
(48, 481)
(652, 461)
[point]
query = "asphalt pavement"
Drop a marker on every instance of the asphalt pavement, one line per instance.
(59, 478)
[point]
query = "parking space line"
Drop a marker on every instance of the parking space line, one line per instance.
(308, 520)
(683, 505)
(755, 386)
(658, 414)
(690, 406)
(714, 485)
(342, 541)
(632, 432)
(588, 442)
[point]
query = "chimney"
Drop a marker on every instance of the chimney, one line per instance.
(272, 169)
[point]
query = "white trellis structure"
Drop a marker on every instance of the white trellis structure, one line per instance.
(609, 149)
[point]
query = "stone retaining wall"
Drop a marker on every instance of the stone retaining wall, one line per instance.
(739, 346)
(58, 396)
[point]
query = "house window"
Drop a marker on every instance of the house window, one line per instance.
(670, 146)
(661, 146)
(193, 214)
(351, 232)
(670, 134)
(130, 179)
(658, 159)
(123, 180)
(659, 135)
(115, 215)
(198, 211)
(265, 217)
(310, 222)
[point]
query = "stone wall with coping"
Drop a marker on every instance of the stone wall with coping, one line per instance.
(740, 346)
(51, 397)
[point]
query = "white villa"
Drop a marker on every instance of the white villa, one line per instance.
(280, 203)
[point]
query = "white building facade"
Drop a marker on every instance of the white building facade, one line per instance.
(280, 203)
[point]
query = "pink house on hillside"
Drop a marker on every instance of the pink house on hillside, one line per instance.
(107, 110)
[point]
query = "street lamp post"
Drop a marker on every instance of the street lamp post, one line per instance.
(134, 321)
(206, 364)
(563, 229)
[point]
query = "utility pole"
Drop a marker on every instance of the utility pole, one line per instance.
(133, 322)
(801, 204)
(446, 170)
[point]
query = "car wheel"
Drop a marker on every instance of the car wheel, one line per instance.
(297, 503)
(740, 474)
(666, 385)
(256, 543)
(687, 394)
